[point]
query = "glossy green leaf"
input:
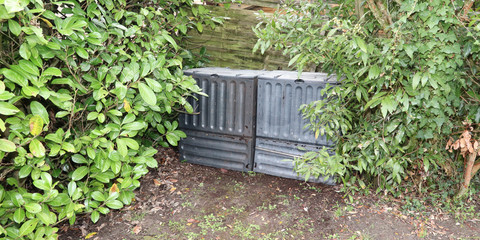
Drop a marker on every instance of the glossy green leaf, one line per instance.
(28, 227)
(14, 27)
(147, 94)
(7, 146)
(80, 173)
(33, 207)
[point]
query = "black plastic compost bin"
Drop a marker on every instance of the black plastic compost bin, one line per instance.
(251, 120)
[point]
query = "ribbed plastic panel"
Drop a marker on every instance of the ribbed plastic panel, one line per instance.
(280, 95)
(217, 150)
(229, 107)
(274, 157)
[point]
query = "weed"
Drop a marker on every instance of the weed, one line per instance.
(176, 226)
(138, 216)
(187, 204)
(245, 232)
(341, 210)
(296, 197)
(265, 207)
(238, 210)
(212, 223)
(192, 235)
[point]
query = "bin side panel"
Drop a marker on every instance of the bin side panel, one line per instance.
(274, 157)
(228, 109)
(217, 150)
(278, 114)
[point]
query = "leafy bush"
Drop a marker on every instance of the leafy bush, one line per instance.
(87, 90)
(408, 79)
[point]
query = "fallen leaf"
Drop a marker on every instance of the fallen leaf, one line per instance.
(223, 170)
(191, 220)
(137, 229)
(156, 182)
(173, 189)
(172, 180)
(90, 235)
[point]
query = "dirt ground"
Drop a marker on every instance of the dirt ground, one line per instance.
(185, 201)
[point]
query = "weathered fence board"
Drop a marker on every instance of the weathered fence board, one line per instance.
(231, 45)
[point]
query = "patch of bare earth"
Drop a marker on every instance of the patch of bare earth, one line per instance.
(185, 201)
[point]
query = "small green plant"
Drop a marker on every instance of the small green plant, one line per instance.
(212, 223)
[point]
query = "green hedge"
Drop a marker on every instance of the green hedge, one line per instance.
(88, 89)
(409, 77)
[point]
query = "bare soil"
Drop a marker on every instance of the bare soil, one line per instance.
(184, 201)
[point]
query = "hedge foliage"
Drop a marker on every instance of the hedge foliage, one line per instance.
(87, 90)
(409, 77)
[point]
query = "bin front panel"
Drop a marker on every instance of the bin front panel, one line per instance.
(274, 157)
(229, 107)
(279, 98)
(217, 150)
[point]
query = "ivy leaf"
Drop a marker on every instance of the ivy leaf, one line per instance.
(147, 94)
(388, 105)
(416, 80)
(7, 146)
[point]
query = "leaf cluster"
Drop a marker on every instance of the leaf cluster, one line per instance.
(88, 89)
(408, 77)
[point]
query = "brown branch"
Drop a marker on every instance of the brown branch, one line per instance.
(475, 168)
(466, 8)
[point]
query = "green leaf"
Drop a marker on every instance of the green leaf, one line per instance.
(29, 67)
(19, 215)
(36, 125)
(82, 52)
(77, 158)
(33, 207)
(416, 80)
(98, 196)
(52, 71)
(38, 109)
(147, 94)
(170, 39)
(7, 146)
(28, 227)
(15, 77)
(95, 216)
(25, 51)
(79, 173)
(134, 126)
(25, 171)
(13, 6)
(37, 148)
(131, 143)
(122, 147)
(14, 27)
(114, 204)
(388, 105)
(361, 44)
